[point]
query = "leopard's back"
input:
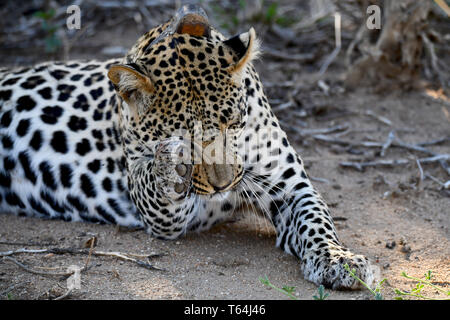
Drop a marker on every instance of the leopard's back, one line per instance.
(60, 150)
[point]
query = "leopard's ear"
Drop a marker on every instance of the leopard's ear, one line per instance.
(127, 79)
(246, 48)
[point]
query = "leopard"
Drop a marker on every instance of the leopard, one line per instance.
(175, 137)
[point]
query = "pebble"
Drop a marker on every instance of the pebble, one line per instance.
(390, 244)
(406, 249)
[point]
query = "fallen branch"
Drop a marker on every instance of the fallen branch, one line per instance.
(433, 58)
(444, 6)
(65, 295)
(284, 105)
(37, 272)
(367, 144)
(323, 180)
(360, 166)
(320, 131)
(10, 288)
(28, 244)
(434, 142)
(126, 257)
(122, 256)
(338, 43)
(388, 143)
(284, 84)
(351, 48)
(393, 141)
(382, 119)
(23, 250)
(299, 57)
(445, 166)
(421, 174)
(427, 175)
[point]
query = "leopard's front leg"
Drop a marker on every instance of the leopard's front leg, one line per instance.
(303, 222)
(160, 189)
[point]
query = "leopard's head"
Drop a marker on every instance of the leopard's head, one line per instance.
(185, 79)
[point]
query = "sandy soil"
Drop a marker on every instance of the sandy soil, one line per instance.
(381, 212)
(226, 262)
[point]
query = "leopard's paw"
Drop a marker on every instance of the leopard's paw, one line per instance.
(173, 176)
(328, 268)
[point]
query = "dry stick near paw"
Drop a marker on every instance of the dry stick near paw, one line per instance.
(30, 270)
(123, 256)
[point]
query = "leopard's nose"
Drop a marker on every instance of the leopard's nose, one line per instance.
(220, 176)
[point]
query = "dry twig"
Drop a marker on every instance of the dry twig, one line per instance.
(299, 57)
(320, 131)
(433, 58)
(395, 162)
(382, 119)
(37, 272)
(65, 295)
(421, 174)
(387, 144)
(119, 255)
(394, 142)
(338, 43)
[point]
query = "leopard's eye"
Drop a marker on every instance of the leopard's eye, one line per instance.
(235, 126)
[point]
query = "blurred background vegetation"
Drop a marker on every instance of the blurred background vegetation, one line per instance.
(299, 33)
(308, 62)
(369, 117)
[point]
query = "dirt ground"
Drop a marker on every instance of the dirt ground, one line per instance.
(382, 212)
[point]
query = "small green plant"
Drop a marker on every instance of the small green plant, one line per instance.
(242, 4)
(288, 291)
(322, 295)
(417, 290)
(271, 13)
(272, 16)
(376, 292)
(52, 42)
(227, 20)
